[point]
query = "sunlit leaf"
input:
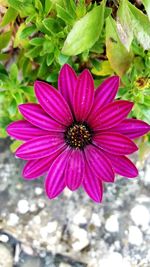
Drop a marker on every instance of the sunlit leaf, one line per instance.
(9, 16)
(118, 56)
(4, 39)
(146, 4)
(82, 36)
(124, 24)
(140, 25)
(105, 69)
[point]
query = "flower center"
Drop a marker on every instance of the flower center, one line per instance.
(78, 135)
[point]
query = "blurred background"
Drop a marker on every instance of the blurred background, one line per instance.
(36, 38)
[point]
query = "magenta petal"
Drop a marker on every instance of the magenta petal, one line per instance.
(111, 115)
(23, 130)
(66, 83)
(83, 96)
(53, 103)
(38, 117)
(55, 182)
(115, 143)
(92, 185)
(132, 128)
(38, 167)
(40, 147)
(104, 94)
(74, 170)
(99, 164)
(123, 166)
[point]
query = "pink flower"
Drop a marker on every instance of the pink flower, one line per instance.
(77, 136)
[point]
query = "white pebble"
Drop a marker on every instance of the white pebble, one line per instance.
(80, 238)
(113, 259)
(38, 191)
(141, 216)
(95, 220)
(112, 224)
(13, 219)
(4, 238)
(135, 236)
(79, 218)
(23, 206)
(52, 226)
(147, 176)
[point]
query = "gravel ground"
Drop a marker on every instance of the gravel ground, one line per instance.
(72, 230)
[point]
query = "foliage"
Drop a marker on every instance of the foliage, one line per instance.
(39, 36)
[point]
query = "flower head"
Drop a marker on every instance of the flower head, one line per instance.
(77, 136)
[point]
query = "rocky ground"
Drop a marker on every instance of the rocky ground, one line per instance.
(72, 230)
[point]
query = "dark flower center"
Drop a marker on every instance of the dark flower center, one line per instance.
(78, 135)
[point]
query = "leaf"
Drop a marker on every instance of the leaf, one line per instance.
(13, 75)
(25, 8)
(27, 31)
(118, 56)
(140, 25)
(4, 39)
(48, 7)
(9, 16)
(51, 25)
(49, 59)
(37, 41)
(105, 69)
(15, 145)
(146, 4)
(85, 32)
(124, 28)
(12, 108)
(64, 15)
(32, 53)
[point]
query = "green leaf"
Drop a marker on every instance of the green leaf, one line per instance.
(4, 39)
(146, 4)
(124, 28)
(12, 108)
(49, 59)
(118, 56)
(9, 16)
(15, 145)
(13, 75)
(25, 8)
(51, 25)
(64, 15)
(62, 59)
(82, 36)
(37, 41)
(32, 53)
(140, 25)
(27, 31)
(48, 7)
(4, 56)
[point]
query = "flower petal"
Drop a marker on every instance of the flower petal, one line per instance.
(53, 102)
(23, 130)
(132, 128)
(99, 164)
(40, 147)
(122, 165)
(83, 96)
(38, 167)
(105, 94)
(67, 83)
(92, 185)
(111, 115)
(115, 143)
(38, 117)
(55, 182)
(75, 169)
